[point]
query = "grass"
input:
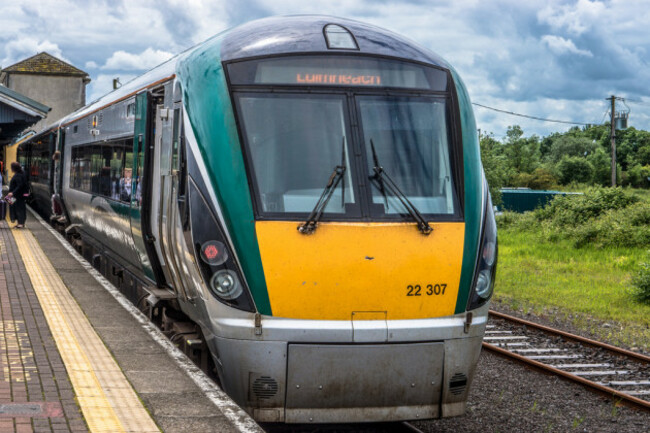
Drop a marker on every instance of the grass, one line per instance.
(580, 285)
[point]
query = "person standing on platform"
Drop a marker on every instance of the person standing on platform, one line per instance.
(17, 190)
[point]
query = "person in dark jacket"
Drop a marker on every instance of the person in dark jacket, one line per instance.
(18, 189)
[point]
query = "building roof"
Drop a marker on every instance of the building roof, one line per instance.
(44, 64)
(22, 102)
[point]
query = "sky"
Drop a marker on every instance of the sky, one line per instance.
(551, 59)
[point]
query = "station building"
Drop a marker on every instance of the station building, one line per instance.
(35, 93)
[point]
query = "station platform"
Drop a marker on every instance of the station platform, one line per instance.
(76, 356)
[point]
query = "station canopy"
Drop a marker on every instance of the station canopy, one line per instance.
(17, 113)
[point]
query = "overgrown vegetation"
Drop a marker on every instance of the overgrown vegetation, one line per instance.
(641, 282)
(601, 217)
(580, 155)
(585, 256)
(582, 254)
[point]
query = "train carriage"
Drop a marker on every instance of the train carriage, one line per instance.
(307, 193)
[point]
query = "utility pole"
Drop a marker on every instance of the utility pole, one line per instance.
(613, 109)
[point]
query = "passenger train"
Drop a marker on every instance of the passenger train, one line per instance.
(300, 203)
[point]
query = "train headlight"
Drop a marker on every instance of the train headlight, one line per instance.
(483, 283)
(213, 255)
(487, 260)
(226, 285)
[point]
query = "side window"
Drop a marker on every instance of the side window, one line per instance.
(179, 165)
(127, 173)
(95, 168)
(138, 174)
(175, 140)
(86, 168)
(117, 170)
(74, 168)
(105, 169)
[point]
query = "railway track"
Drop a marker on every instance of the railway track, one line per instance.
(619, 373)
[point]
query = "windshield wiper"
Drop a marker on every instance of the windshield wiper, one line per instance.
(309, 226)
(386, 183)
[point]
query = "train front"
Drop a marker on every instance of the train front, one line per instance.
(341, 168)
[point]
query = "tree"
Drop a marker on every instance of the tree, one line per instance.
(569, 145)
(495, 166)
(574, 169)
(522, 153)
(602, 167)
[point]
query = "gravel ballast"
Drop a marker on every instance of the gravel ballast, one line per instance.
(509, 397)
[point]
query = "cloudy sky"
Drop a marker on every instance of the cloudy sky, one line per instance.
(552, 59)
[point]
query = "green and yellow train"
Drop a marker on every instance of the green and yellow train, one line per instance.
(307, 193)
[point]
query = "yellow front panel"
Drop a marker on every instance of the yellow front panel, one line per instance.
(348, 267)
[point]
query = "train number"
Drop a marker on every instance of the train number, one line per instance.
(430, 290)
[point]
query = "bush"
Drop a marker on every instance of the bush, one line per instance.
(629, 227)
(641, 283)
(509, 219)
(542, 179)
(602, 169)
(574, 169)
(637, 176)
(572, 210)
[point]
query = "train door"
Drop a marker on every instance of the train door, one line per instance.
(173, 213)
(140, 211)
(161, 147)
(164, 139)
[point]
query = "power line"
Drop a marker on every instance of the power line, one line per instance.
(636, 101)
(531, 117)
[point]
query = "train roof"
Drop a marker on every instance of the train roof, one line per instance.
(306, 34)
(273, 36)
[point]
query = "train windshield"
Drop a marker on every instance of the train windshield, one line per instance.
(408, 139)
(295, 138)
(295, 143)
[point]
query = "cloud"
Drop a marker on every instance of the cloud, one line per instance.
(520, 56)
(560, 46)
(149, 58)
(576, 18)
(19, 49)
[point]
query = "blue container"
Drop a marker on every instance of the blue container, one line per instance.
(525, 200)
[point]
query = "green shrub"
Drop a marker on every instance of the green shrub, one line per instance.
(574, 169)
(641, 283)
(542, 179)
(571, 210)
(628, 227)
(509, 219)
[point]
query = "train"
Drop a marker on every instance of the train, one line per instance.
(299, 202)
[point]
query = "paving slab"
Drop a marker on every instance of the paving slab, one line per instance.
(36, 393)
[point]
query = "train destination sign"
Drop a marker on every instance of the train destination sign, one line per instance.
(340, 79)
(337, 71)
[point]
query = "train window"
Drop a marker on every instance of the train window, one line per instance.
(117, 170)
(175, 140)
(295, 143)
(337, 71)
(130, 110)
(103, 169)
(408, 137)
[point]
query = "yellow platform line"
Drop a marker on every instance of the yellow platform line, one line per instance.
(107, 400)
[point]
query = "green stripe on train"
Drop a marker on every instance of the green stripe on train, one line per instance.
(208, 105)
(473, 192)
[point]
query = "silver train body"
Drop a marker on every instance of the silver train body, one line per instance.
(147, 229)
